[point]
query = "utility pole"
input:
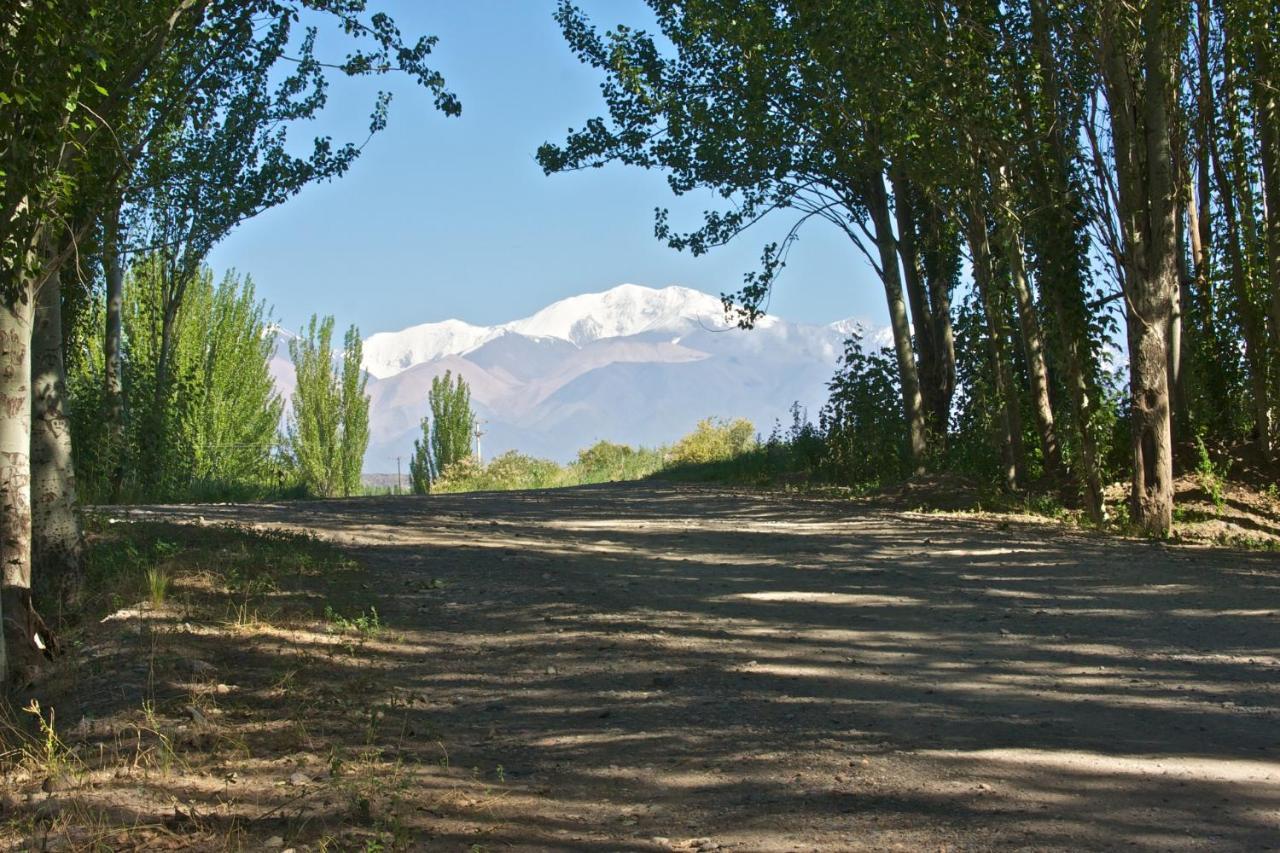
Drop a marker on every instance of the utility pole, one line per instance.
(397, 475)
(479, 432)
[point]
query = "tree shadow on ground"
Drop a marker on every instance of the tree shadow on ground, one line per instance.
(603, 666)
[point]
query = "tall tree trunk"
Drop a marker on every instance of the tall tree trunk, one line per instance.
(941, 264)
(1248, 240)
(1252, 326)
(1215, 352)
(57, 544)
(913, 406)
(1062, 269)
(984, 279)
(1140, 125)
(1029, 326)
(933, 390)
(15, 471)
(25, 637)
(1267, 105)
(113, 370)
(1177, 383)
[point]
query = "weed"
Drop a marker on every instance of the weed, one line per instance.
(1046, 505)
(47, 753)
(364, 624)
(1211, 475)
(157, 585)
(166, 755)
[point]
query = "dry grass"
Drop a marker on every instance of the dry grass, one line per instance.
(212, 701)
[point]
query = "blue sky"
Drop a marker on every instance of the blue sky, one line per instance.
(453, 218)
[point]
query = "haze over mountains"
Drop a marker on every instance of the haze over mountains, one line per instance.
(633, 364)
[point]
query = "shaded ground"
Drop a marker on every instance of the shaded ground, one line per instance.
(646, 667)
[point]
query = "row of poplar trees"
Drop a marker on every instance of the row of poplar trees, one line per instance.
(1099, 167)
(139, 129)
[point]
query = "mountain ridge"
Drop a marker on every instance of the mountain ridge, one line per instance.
(631, 364)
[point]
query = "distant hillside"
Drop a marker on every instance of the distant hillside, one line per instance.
(632, 364)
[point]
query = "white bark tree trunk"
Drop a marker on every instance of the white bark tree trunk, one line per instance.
(57, 544)
(15, 476)
(891, 276)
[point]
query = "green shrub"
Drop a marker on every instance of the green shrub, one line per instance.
(510, 471)
(607, 462)
(862, 424)
(714, 440)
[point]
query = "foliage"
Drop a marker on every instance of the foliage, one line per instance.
(714, 440)
(367, 624)
(420, 470)
(329, 419)
(604, 455)
(211, 430)
(509, 471)
(603, 462)
(198, 90)
(1055, 140)
(354, 407)
(606, 461)
(1210, 474)
(452, 421)
(862, 422)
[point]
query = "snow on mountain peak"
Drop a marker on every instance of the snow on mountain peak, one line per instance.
(388, 353)
(628, 309)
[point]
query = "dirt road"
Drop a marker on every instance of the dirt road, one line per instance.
(644, 667)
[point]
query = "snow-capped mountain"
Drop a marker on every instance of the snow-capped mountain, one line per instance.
(388, 353)
(623, 311)
(632, 364)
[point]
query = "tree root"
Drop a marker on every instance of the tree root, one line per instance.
(29, 640)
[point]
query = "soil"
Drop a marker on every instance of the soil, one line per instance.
(652, 667)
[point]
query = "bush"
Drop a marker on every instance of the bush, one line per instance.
(607, 462)
(862, 423)
(605, 455)
(714, 440)
(510, 471)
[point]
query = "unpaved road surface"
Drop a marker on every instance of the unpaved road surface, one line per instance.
(647, 667)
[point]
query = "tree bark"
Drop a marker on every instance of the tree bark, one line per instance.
(1140, 115)
(1029, 326)
(940, 265)
(24, 635)
(1249, 240)
(984, 279)
(113, 368)
(1267, 105)
(1180, 418)
(16, 319)
(1061, 267)
(933, 383)
(57, 540)
(912, 404)
(1252, 326)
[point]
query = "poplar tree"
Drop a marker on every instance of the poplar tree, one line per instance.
(328, 428)
(452, 421)
(354, 406)
(420, 471)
